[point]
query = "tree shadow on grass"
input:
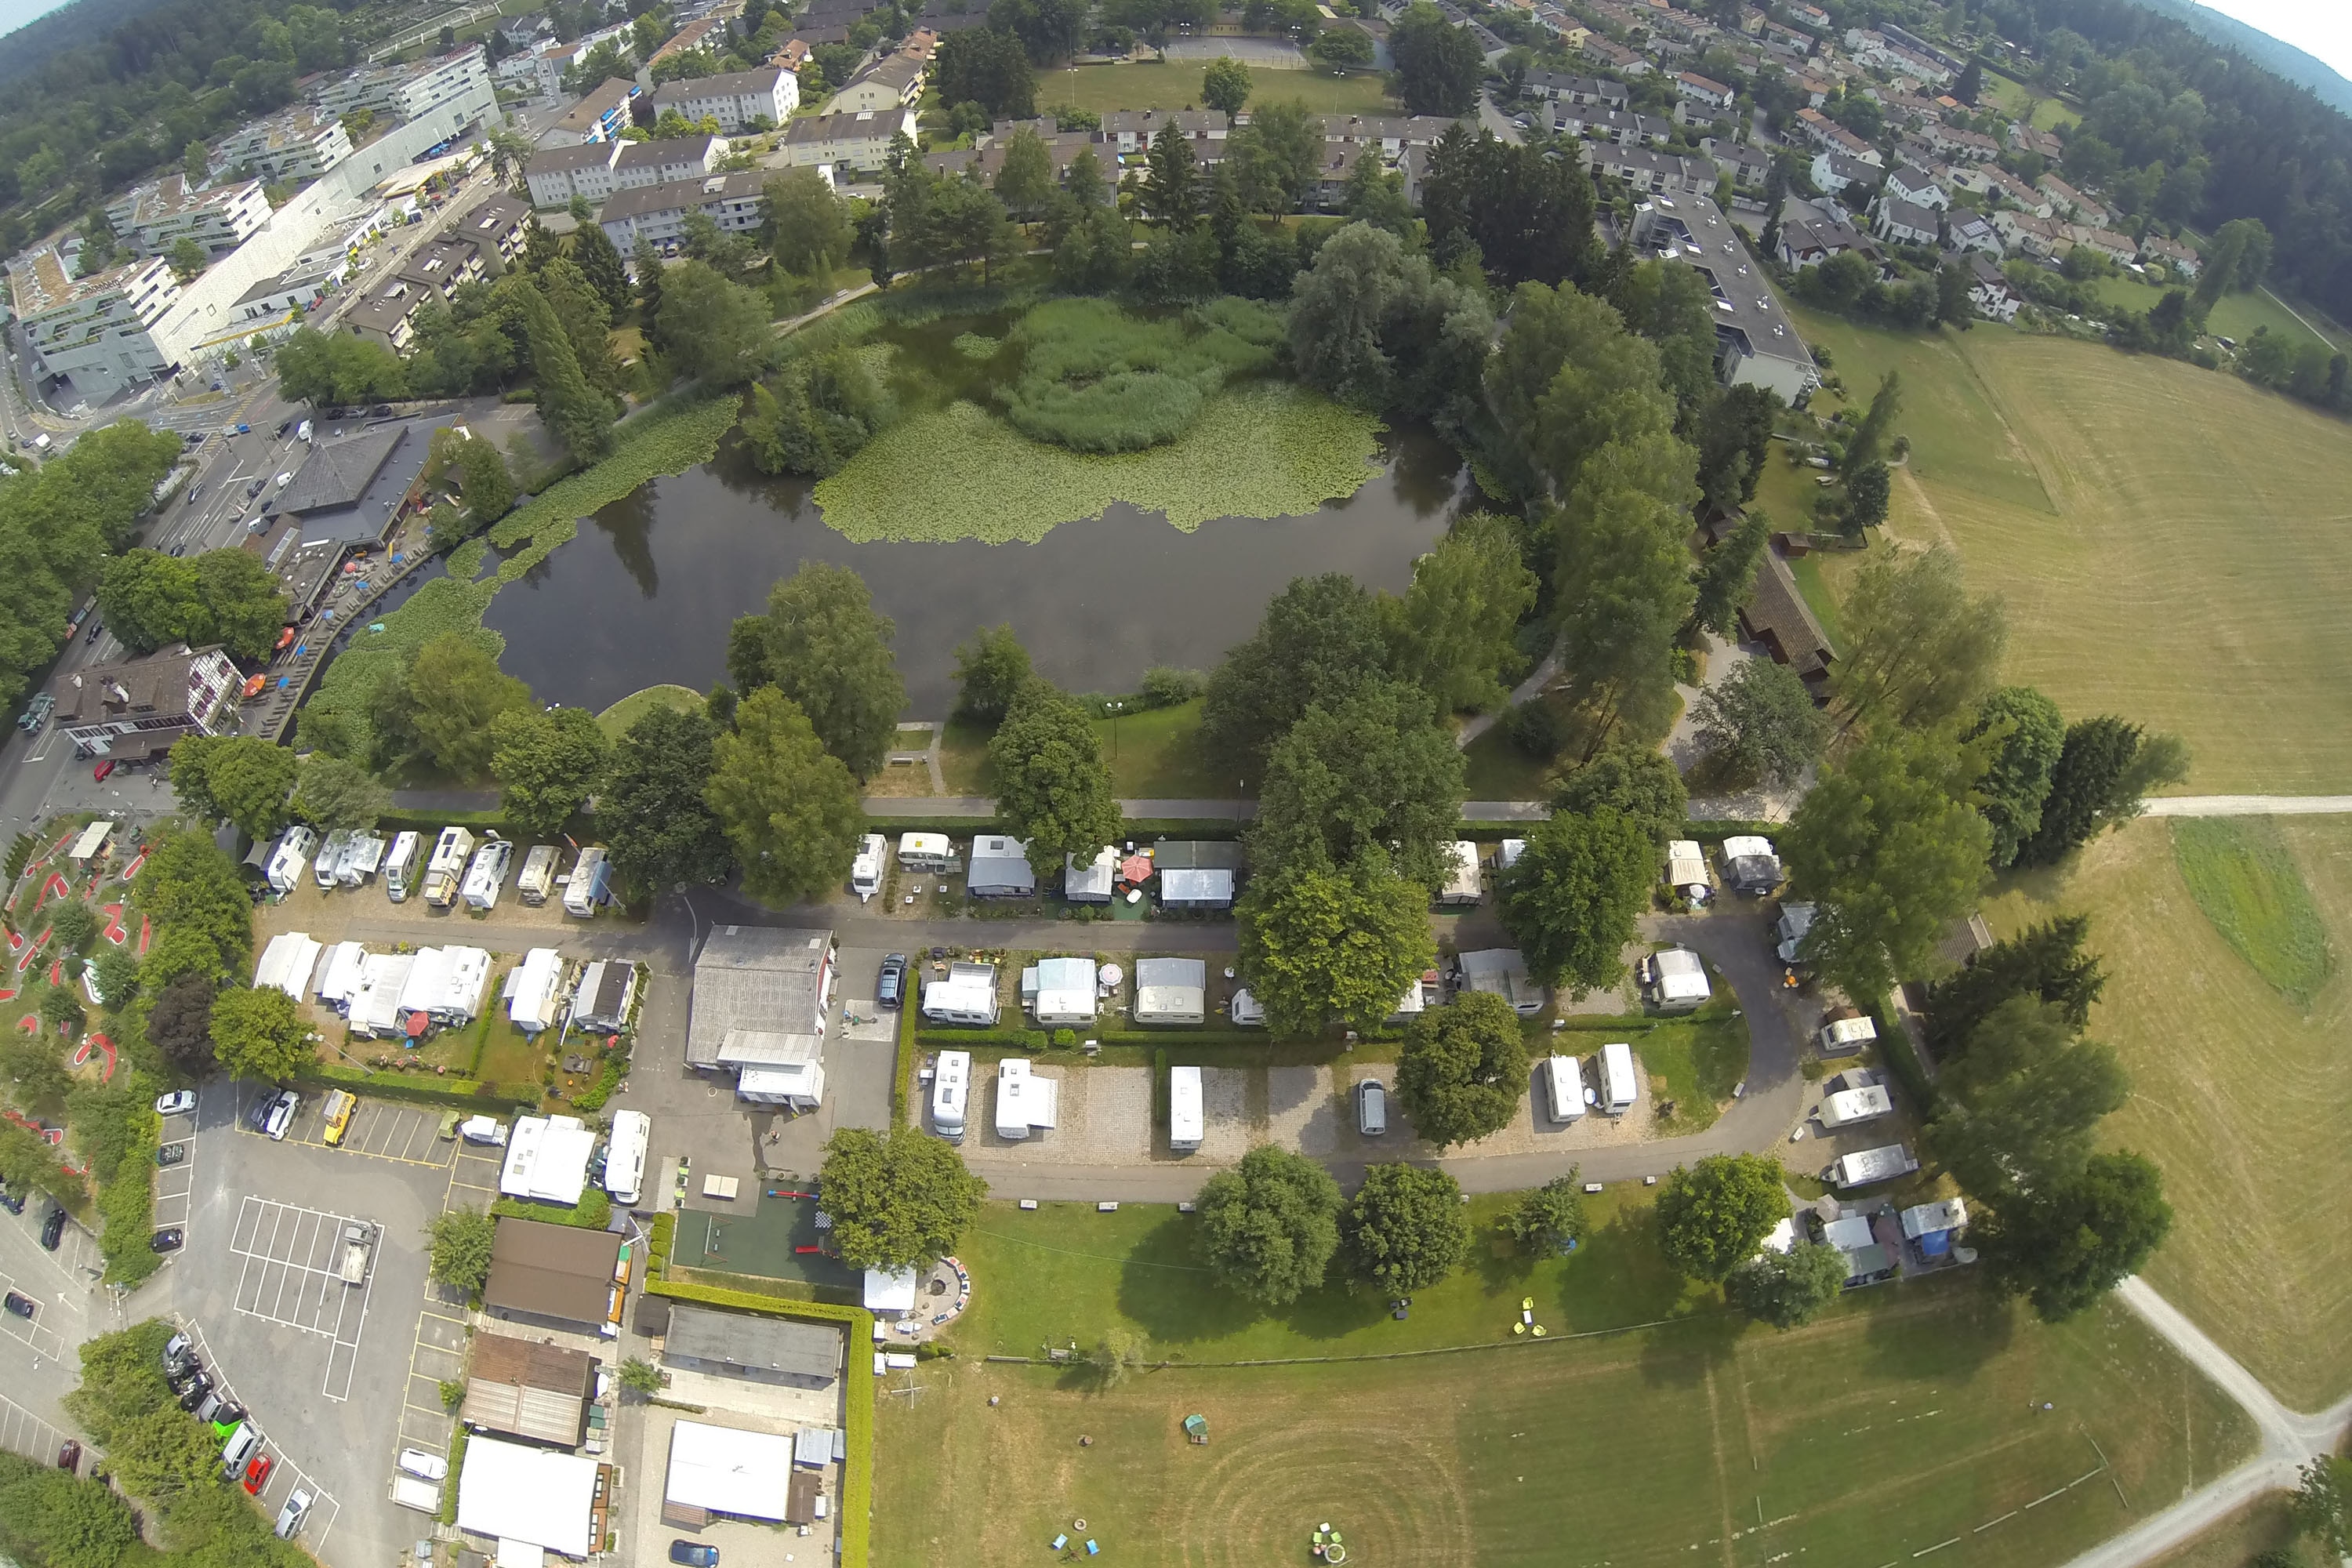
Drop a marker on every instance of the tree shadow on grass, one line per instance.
(1164, 1288)
(1682, 1354)
(1946, 1329)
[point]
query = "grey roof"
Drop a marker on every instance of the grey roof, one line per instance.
(1155, 972)
(338, 473)
(673, 195)
(1196, 855)
(1747, 310)
(752, 977)
(726, 84)
(1912, 175)
(1847, 168)
(563, 160)
(1899, 211)
(753, 1344)
(666, 150)
(601, 987)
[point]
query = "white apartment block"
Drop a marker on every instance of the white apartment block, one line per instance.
(659, 162)
(97, 333)
(297, 144)
(656, 214)
(156, 216)
(541, 68)
(584, 170)
(734, 98)
(859, 140)
(409, 91)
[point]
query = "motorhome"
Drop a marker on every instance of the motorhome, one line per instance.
(1619, 1085)
(1846, 1036)
(1870, 1166)
(950, 1083)
(865, 871)
(1185, 1113)
(327, 870)
(486, 878)
(624, 1156)
(927, 852)
(400, 866)
(287, 861)
(537, 879)
(591, 886)
(1563, 1088)
(446, 869)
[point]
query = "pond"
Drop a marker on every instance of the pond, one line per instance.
(646, 593)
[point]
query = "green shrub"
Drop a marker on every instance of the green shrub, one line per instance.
(608, 1080)
(1094, 379)
(1066, 1039)
(593, 1212)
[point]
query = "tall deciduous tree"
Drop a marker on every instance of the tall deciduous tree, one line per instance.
(1891, 848)
(1025, 181)
(2044, 962)
(824, 645)
(577, 414)
(1405, 1229)
(1551, 1218)
(599, 262)
(898, 1199)
(180, 1025)
(1270, 1226)
(332, 793)
(1319, 943)
(1723, 582)
(444, 705)
(1867, 491)
(790, 808)
(1760, 722)
(1568, 380)
(1789, 1288)
(1571, 901)
(548, 763)
(2026, 727)
(1624, 592)
(652, 811)
(1734, 438)
(1457, 621)
(1463, 1069)
(459, 1242)
(991, 669)
(1877, 428)
(1376, 327)
(2064, 1248)
(1226, 84)
(808, 224)
(1374, 773)
(984, 66)
(1439, 66)
(1919, 649)
(1053, 788)
(242, 777)
(261, 1034)
(1712, 1216)
(712, 328)
(1320, 638)
(1638, 782)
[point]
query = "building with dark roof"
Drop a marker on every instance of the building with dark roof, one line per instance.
(758, 1349)
(762, 994)
(1778, 617)
(351, 489)
(554, 1273)
(528, 1389)
(135, 708)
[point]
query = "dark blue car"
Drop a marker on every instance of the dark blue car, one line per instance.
(694, 1554)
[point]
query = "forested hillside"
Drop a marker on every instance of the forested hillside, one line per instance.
(2271, 54)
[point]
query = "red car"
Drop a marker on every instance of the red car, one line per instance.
(104, 768)
(257, 1474)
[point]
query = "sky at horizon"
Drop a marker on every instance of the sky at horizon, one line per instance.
(2319, 27)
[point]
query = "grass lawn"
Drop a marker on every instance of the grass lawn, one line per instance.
(2240, 874)
(1156, 755)
(963, 758)
(1495, 769)
(2236, 315)
(2239, 1095)
(1695, 1063)
(616, 720)
(2170, 541)
(1103, 88)
(2261, 1526)
(1500, 1455)
(2013, 97)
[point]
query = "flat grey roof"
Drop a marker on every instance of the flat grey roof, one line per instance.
(755, 1344)
(761, 978)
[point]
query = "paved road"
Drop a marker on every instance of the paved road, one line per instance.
(1491, 119)
(2250, 805)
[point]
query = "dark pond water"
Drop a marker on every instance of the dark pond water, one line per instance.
(646, 593)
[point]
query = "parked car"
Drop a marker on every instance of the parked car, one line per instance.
(209, 1411)
(184, 1376)
(96, 628)
(20, 1305)
(243, 1443)
(170, 1240)
(53, 1228)
(290, 1516)
(227, 1419)
(694, 1554)
(193, 1396)
(257, 1474)
(69, 1457)
(1371, 1108)
(258, 1117)
(178, 1100)
(10, 1200)
(380, 411)
(171, 1153)
(281, 1115)
(103, 769)
(890, 985)
(176, 1351)
(423, 1466)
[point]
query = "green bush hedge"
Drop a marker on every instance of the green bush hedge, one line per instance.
(857, 1501)
(1894, 1048)
(458, 1440)
(1035, 1039)
(593, 1212)
(459, 1093)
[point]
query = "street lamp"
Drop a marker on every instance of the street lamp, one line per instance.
(1114, 708)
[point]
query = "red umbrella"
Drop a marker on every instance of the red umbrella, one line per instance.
(1135, 868)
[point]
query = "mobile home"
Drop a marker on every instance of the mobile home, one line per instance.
(1026, 1103)
(601, 1004)
(338, 975)
(624, 1156)
(1687, 870)
(286, 964)
(1563, 1082)
(1060, 990)
(1499, 972)
(1749, 865)
(537, 879)
(1619, 1085)
(927, 852)
(1184, 1110)
(1846, 1036)
(1675, 979)
(950, 1084)
(327, 870)
(1880, 1165)
(865, 871)
(446, 870)
(591, 886)
(1000, 869)
(1092, 882)
(1462, 874)
(1171, 991)
(533, 991)
(287, 861)
(400, 866)
(968, 995)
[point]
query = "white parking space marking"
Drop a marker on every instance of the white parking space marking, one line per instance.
(285, 1475)
(290, 1278)
(47, 1342)
(22, 1431)
(175, 1185)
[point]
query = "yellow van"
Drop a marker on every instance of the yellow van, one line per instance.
(340, 1105)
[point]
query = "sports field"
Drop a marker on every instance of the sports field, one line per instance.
(1177, 86)
(2172, 542)
(1909, 1418)
(2239, 1092)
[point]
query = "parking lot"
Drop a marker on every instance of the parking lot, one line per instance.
(289, 1278)
(175, 1185)
(24, 1433)
(379, 1129)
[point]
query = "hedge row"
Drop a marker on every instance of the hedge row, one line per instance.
(460, 1093)
(1894, 1048)
(1038, 1040)
(857, 1500)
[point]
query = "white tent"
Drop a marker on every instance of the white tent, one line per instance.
(1462, 874)
(92, 839)
(744, 1475)
(340, 974)
(546, 1159)
(531, 999)
(447, 982)
(535, 1496)
(1090, 883)
(286, 964)
(891, 1291)
(1061, 990)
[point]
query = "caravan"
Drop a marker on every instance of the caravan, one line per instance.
(865, 871)
(624, 1156)
(486, 878)
(327, 870)
(1563, 1088)
(400, 866)
(537, 879)
(1185, 1111)
(949, 1085)
(447, 867)
(1619, 1085)
(591, 886)
(1026, 1103)
(927, 852)
(968, 995)
(287, 861)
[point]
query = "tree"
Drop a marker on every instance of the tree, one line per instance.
(1226, 85)
(187, 258)
(1571, 901)
(1319, 943)
(639, 1375)
(460, 1242)
(61, 1010)
(1319, 639)
(1639, 783)
(1053, 788)
(714, 329)
(987, 67)
(1528, 210)
(1789, 1288)
(1438, 66)
(1341, 50)
(203, 919)
(72, 928)
(1376, 327)
(1920, 650)
(445, 706)
(2030, 735)
(1892, 851)
(1670, 305)
(1171, 183)
(652, 811)
(1867, 491)
(2064, 1248)
(116, 974)
(822, 643)
(261, 1034)
(1457, 624)
(576, 414)
(899, 1199)
(1025, 181)
(645, 264)
(1734, 438)
(1405, 1229)
(1270, 1224)
(1760, 722)
(226, 596)
(808, 228)
(332, 793)
(2016, 1113)
(586, 320)
(482, 475)
(2045, 963)
(1463, 1069)
(2322, 1507)
(600, 263)
(180, 1025)
(2106, 767)
(1117, 1354)
(1868, 444)
(1724, 581)
(991, 670)
(242, 777)
(1376, 772)
(1550, 1218)
(1713, 1217)
(548, 763)
(791, 810)
(1623, 594)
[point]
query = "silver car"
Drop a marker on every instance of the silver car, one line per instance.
(281, 1115)
(290, 1516)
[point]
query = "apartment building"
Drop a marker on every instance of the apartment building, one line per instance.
(387, 313)
(600, 116)
(409, 91)
(734, 98)
(1755, 343)
(298, 143)
(97, 333)
(888, 83)
(656, 214)
(584, 170)
(847, 141)
(136, 707)
(159, 214)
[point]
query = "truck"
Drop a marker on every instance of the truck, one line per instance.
(446, 869)
(359, 1252)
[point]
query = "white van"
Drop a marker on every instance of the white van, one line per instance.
(486, 878)
(1371, 1108)
(1185, 1113)
(865, 871)
(624, 1156)
(950, 1086)
(400, 866)
(925, 852)
(286, 861)
(1563, 1088)
(1619, 1085)
(424, 1466)
(537, 879)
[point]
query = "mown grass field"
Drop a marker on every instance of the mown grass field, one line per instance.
(1157, 755)
(2261, 1526)
(2241, 1096)
(1102, 89)
(616, 720)
(1904, 1419)
(2171, 542)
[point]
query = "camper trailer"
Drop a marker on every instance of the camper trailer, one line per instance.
(287, 861)
(1847, 1103)
(537, 879)
(624, 1156)
(1619, 1085)
(1461, 874)
(931, 853)
(1846, 1036)
(1675, 979)
(1749, 865)
(1790, 930)
(1184, 1110)
(446, 869)
(1000, 869)
(591, 886)
(1060, 990)
(327, 870)
(1499, 972)
(968, 995)
(1563, 1088)
(950, 1084)
(533, 990)
(486, 878)
(1686, 871)
(1861, 1170)
(362, 859)
(1026, 1103)
(865, 871)
(1171, 991)
(400, 866)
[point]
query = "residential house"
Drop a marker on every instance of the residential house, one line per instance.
(738, 101)
(529, 1389)
(1915, 186)
(1132, 130)
(2026, 138)
(847, 142)
(893, 82)
(135, 708)
(1612, 56)
(2025, 233)
(2172, 253)
(2114, 246)
(1620, 127)
(1704, 90)
(1967, 232)
(583, 169)
(1776, 616)
(1584, 91)
(1829, 136)
(2072, 203)
(1905, 223)
(1960, 142)
(1653, 173)
(2000, 182)
(553, 1274)
(386, 314)
(1991, 293)
(704, 32)
(1833, 171)
(1804, 242)
(413, 91)
(790, 54)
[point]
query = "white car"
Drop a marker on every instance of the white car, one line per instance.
(281, 1115)
(290, 1516)
(424, 1466)
(176, 1102)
